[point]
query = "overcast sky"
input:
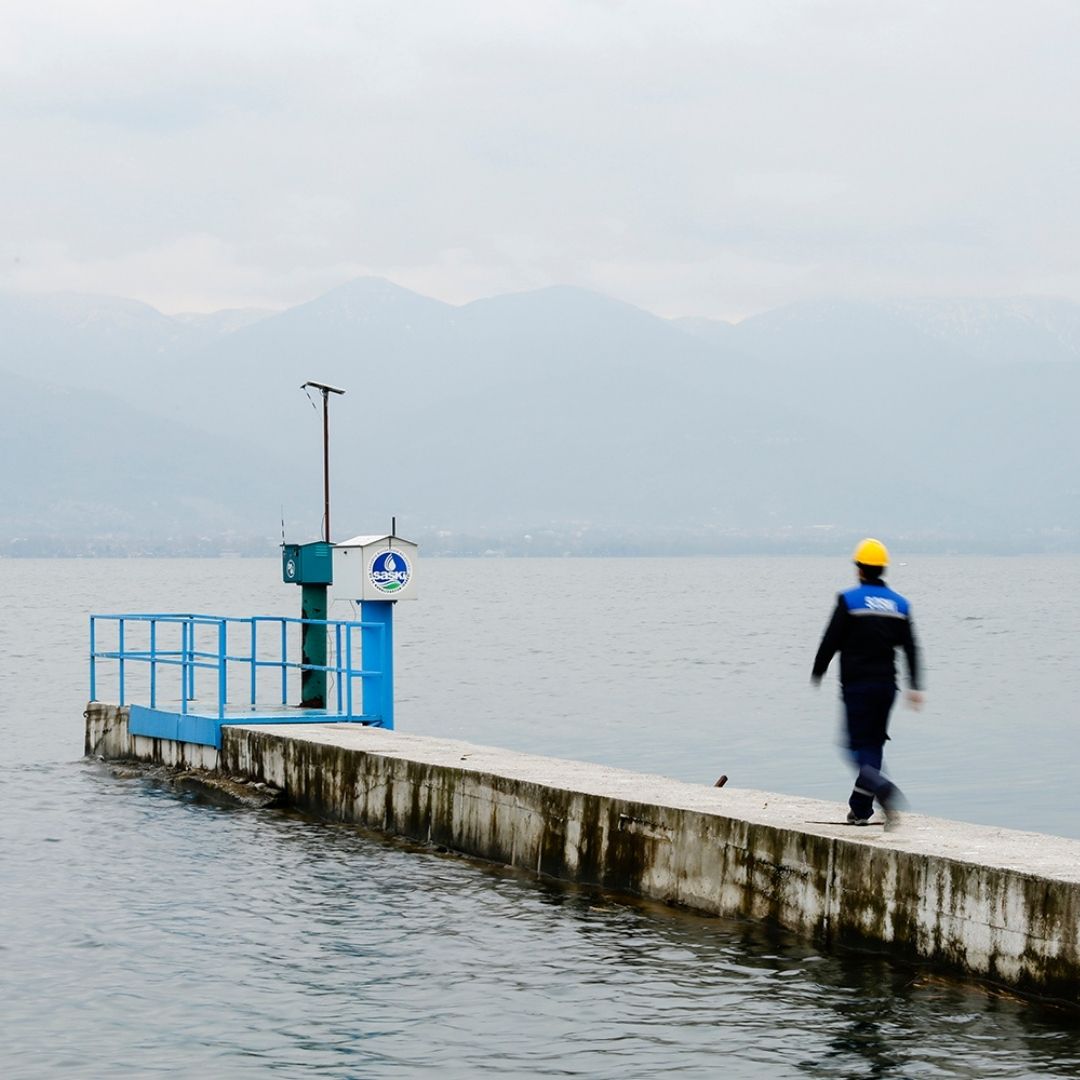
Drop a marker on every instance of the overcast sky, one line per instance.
(695, 158)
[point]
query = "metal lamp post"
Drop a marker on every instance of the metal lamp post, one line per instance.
(326, 391)
(313, 595)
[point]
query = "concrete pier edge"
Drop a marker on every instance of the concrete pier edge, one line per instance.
(997, 904)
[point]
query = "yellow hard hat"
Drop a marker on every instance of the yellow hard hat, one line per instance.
(871, 552)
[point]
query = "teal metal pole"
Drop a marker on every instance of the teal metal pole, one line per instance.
(313, 647)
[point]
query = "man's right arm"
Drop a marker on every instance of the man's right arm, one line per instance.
(831, 640)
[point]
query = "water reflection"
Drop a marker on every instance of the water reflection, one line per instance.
(160, 929)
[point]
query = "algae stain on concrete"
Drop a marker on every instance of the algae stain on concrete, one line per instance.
(996, 921)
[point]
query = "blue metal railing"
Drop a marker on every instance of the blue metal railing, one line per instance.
(170, 641)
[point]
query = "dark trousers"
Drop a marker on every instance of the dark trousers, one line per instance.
(867, 707)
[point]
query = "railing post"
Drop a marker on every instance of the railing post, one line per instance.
(284, 659)
(153, 663)
(223, 675)
(193, 653)
(254, 652)
(337, 662)
(120, 650)
(185, 660)
(348, 672)
(93, 659)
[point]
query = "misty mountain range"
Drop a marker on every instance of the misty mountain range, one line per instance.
(552, 421)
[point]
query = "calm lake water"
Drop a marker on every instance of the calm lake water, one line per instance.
(144, 933)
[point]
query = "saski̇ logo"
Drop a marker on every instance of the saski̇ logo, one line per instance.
(389, 571)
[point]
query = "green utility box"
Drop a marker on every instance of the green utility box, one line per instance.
(307, 564)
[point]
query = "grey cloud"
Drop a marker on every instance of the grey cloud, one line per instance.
(749, 152)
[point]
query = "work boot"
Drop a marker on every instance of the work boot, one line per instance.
(890, 807)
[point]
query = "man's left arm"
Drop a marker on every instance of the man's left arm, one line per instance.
(910, 646)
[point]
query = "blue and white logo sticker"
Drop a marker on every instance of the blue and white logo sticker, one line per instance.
(389, 572)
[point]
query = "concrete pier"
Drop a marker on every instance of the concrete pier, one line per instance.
(995, 903)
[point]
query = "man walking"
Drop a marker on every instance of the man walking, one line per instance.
(868, 625)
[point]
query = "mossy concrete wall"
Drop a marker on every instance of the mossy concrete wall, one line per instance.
(995, 903)
(107, 737)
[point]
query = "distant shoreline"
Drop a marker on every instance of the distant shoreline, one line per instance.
(742, 553)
